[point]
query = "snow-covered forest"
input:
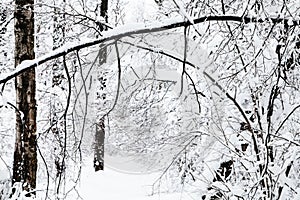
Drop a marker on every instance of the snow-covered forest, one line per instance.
(150, 99)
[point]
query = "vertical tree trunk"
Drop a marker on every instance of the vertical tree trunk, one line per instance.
(100, 126)
(99, 145)
(104, 8)
(25, 155)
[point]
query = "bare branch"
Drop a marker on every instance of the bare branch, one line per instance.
(119, 79)
(282, 123)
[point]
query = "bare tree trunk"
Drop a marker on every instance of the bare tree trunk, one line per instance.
(25, 153)
(99, 146)
(100, 126)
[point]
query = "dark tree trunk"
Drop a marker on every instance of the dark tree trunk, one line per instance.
(25, 155)
(100, 127)
(103, 11)
(99, 146)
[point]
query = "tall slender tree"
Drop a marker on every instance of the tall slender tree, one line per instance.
(100, 126)
(25, 153)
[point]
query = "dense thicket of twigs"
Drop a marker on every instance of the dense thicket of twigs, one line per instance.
(229, 121)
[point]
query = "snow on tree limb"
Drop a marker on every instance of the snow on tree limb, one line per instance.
(123, 31)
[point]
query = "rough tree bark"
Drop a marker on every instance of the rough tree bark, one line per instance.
(25, 153)
(99, 145)
(100, 126)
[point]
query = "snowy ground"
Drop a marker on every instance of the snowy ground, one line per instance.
(113, 185)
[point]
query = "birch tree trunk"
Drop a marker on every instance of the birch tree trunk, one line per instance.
(25, 153)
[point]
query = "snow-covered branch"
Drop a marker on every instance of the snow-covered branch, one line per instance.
(132, 29)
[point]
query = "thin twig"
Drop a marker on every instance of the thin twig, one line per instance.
(119, 79)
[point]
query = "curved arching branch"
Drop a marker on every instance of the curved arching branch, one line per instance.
(120, 32)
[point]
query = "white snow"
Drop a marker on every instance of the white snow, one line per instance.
(3, 100)
(4, 174)
(112, 185)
